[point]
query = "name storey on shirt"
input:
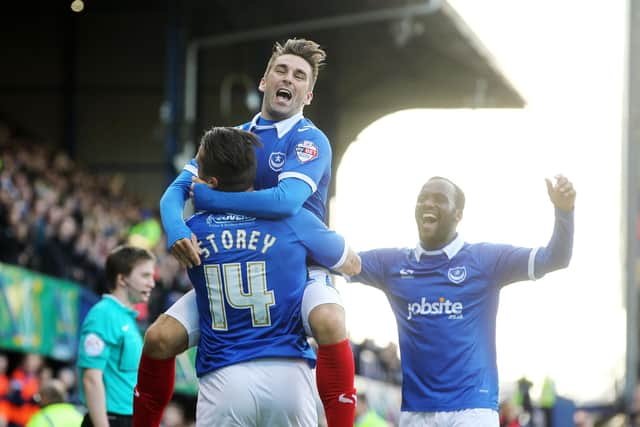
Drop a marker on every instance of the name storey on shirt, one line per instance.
(238, 238)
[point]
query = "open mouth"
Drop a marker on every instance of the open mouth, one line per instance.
(429, 218)
(284, 94)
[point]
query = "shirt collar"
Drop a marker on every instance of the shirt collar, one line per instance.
(131, 311)
(450, 250)
(282, 127)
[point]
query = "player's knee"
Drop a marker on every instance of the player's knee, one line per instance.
(165, 338)
(327, 323)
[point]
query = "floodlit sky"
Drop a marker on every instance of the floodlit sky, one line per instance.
(567, 60)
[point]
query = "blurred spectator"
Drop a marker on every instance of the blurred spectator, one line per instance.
(548, 400)
(377, 363)
(367, 417)
(391, 363)
(24, 386)
(69, 379)
(369, 362)
(146, 234)
(45, 374)
(522, 396)
(58, 252)
(54, 412)
(509, 414)
(583, 419)
(5, 405)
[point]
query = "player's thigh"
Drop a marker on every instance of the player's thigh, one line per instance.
(185, 311)
(319, 290)
(265, 392)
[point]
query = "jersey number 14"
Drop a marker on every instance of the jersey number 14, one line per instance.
(258, 298)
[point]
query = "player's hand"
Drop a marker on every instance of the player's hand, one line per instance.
(186, 251)
(195, 180)
(562, 194)
(352, 265)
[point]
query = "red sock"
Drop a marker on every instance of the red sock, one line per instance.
(153, 391)
(335, 374)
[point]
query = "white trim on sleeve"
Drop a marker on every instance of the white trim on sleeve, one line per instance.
(342, 259)
(300, 176)
(532, 264)
(190, 168)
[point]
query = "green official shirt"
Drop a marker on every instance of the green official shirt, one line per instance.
(110, 341)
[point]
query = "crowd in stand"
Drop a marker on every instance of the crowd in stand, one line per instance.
(59, 218)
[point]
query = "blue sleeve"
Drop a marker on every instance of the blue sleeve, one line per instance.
(373, 269)
(308, 157)
(514, 264)
(557, 253)
(281, 201)
(324, 246)
(172, 205)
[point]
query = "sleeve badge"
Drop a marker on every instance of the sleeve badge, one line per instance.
(306, 151)
(93, 345)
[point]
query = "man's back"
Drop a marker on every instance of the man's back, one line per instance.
(250, 286)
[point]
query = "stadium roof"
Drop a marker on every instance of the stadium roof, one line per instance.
(383, 56)
(117, 61)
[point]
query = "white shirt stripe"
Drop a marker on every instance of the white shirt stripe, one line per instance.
(342, 259)
(298, 175)
(532, 264)
(190, 168)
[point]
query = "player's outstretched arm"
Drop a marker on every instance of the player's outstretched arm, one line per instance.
(180, 240)
(557, 253)
(352, 265)
(283, 200)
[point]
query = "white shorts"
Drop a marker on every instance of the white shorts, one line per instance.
(262, 392)
(320, 290)
(480, 417)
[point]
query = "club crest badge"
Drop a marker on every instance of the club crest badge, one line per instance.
(457, 274)
(276, 161)
(306, 151)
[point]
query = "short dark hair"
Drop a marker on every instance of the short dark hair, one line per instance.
(122, 260)
(308, 50)
(229, 155)
(459, 197)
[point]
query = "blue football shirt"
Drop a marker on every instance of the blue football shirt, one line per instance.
(445, 303)
(291, 148)
(249, 287)
(294, 148)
